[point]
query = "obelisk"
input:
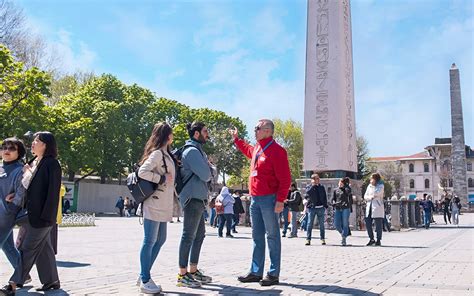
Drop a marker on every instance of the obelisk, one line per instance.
(458, 148)
(329, 116)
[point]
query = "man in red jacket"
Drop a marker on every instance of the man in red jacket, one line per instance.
(269, 181)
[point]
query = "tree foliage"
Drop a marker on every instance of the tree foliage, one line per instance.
(289, 134)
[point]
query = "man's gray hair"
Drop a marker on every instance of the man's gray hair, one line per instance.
(268, 123)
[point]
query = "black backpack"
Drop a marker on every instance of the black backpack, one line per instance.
(179, 181)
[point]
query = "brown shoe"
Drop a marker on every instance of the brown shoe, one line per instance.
(249, 278)
(269, 280)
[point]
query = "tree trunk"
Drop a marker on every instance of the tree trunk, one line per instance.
(71, 175)
(102, 178)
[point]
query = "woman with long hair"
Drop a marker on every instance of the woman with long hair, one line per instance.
(342, 203)
(157, 166)
(42, 181)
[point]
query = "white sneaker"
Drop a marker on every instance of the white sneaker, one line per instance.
(150, 287)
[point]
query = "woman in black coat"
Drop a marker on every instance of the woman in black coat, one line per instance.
(42, 180)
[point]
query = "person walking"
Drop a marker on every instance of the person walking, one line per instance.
(374, 211)
(446, 205)
(284, 215)
(42, 181)
(12, 194)
(455, 208)
(342, 203)
(269, 181)
(428, 208)
(120, 204)
(316, 206)
(227, 216)
(238, 210)
(157, 166)
(197, 169)
(294, 204)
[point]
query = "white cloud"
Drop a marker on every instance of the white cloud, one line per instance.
(270, 32)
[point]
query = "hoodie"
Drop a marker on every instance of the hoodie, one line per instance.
(227, 200)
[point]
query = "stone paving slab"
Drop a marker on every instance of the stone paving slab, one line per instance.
(104, 260)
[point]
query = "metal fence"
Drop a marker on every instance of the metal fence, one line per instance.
(78, 219)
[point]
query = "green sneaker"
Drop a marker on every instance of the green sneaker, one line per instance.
(188, 281)
(199, 276)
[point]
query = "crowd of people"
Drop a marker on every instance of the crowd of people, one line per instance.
(273, 198)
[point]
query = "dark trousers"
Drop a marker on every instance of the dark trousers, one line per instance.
(378, 227)
(37, 249)
(235, 221)
(227, 220)
(448, 214)
(194, 231)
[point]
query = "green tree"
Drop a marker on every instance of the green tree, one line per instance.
(289, 134)
(22, 96)
(362, 157)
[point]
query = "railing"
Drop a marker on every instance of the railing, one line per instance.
(78, 219)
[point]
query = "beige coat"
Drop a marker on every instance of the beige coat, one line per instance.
(158, 207)
(374, 196)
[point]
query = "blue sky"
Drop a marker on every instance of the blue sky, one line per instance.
(247, 57)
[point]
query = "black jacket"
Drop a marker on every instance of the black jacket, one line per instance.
(295, 201)
(238, 207)
(316, 196)
(342, 198)
(42, 196)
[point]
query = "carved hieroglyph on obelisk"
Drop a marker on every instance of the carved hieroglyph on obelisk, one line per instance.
(329, 116)
(458, 147)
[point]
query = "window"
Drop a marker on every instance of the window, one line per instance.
(427, 183)
(469, 166)
(470, 183)
(412, 183)
(426, 167)
(411, 168)
(450, 183)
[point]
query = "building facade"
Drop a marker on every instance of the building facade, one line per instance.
(427, 172)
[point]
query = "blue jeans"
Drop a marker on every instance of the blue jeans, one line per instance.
(284, 214)
(7, 244)
(341, 221)
(312, 213)
(154, 238)
(304, 223)
(294, 223)
(225, 219)
(427, 218)
(213, 217)
(265, 220)
(194, 231)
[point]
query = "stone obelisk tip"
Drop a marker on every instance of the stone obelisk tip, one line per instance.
(453, 66)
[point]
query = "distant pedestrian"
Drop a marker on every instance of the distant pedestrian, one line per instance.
(238, 210)
(269, 181)
(317, 205)
(227, 201)
(284, 215)
(446, 205)
(120, 204)
(428, 208)
(157, 166)
(294, 204)
(127, 206)
(374, 210)
(342, 203)
(455, 207)
(212, 209)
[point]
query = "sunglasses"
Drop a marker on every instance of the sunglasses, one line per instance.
(9, 148)
(257, 128)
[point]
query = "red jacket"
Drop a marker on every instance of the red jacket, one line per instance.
(273, 171)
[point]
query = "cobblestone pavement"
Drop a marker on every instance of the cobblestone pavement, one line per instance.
(104, 260)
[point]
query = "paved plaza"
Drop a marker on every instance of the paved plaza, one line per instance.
(104, 260)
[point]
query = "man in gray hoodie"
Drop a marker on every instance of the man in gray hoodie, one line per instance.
(199, 171)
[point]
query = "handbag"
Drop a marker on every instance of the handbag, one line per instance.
(140, 189)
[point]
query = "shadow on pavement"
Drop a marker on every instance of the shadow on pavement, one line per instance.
(24, 291)
(69, 264)
(333, 289)
(228, 290)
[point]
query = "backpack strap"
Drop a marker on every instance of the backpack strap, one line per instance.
(164, 162)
